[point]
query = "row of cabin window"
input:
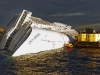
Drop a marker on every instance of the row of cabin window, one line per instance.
(93, 35)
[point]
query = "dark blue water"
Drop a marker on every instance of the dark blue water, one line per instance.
(84, 61)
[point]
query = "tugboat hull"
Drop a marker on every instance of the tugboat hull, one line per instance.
(86, 44)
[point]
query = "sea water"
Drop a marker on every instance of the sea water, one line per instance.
(78, 61)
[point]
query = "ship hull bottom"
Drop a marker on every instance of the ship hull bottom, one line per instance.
(86, 44)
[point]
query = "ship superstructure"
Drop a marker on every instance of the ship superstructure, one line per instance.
(17, 24)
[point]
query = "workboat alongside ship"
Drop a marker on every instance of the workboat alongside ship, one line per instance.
(88, 38)
(27, 34)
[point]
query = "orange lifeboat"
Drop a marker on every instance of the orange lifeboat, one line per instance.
(69, 45)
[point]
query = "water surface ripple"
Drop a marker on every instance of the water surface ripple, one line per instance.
(84, 61)
(79, 61)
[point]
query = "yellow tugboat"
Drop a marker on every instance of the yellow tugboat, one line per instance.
(88, 38)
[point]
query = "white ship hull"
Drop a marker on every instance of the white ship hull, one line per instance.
(41, 40)
(27, 34)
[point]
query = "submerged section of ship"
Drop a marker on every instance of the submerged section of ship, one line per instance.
(28, 34)
(88, 38)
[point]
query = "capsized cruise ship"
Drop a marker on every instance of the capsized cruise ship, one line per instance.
(27, 34)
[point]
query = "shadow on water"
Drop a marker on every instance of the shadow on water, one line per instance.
(84, 61)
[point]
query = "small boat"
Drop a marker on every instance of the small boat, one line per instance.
(69, 45)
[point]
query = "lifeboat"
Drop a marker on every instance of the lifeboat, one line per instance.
(69, 45)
